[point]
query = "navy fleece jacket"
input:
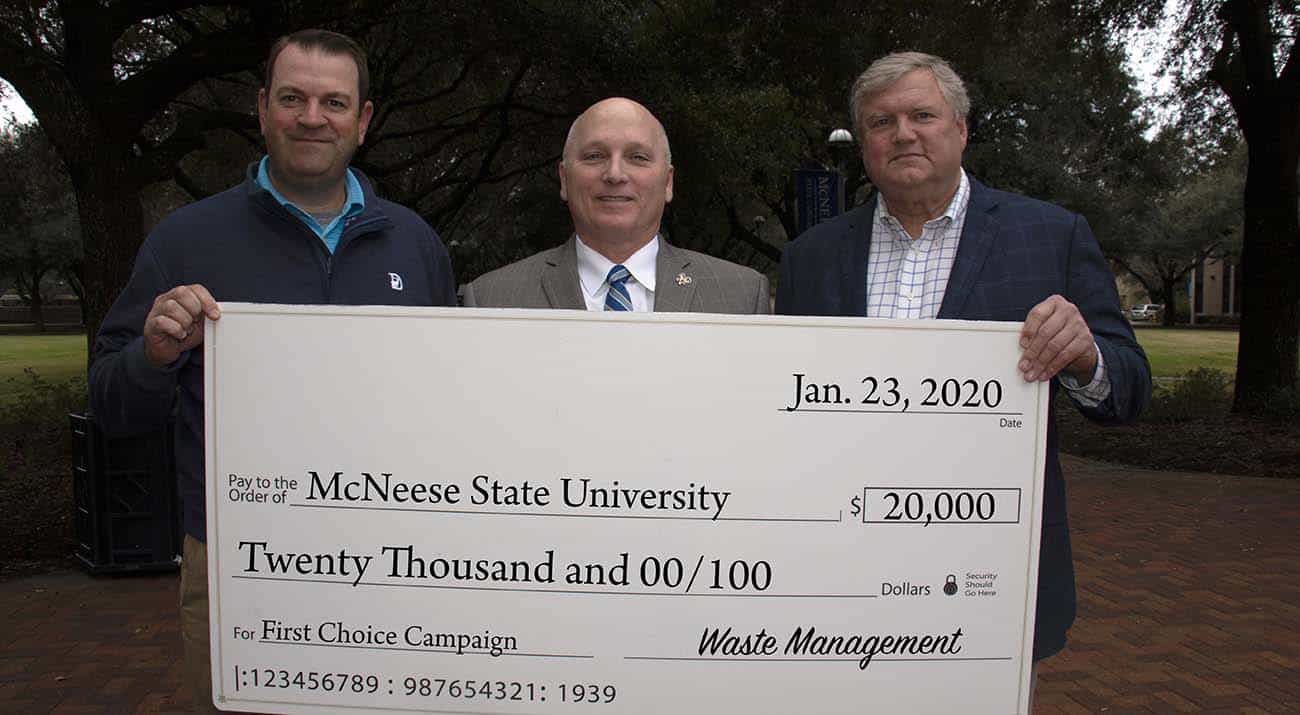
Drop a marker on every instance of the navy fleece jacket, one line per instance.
(243, 246)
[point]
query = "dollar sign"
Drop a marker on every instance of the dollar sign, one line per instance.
(855, 505)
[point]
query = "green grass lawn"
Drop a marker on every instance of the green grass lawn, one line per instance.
(54, 357)
(1174, 351)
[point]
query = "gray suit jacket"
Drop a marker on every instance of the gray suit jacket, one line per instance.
(685, 281)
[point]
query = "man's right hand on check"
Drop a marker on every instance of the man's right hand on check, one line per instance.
(175, 323)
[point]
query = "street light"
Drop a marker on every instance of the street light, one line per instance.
(841, 144)
(842, 147)
(819, 190)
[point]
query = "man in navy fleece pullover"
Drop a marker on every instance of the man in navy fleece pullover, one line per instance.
(302, 228)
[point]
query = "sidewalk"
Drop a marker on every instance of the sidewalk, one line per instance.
(1189, 601)
(1189, 594)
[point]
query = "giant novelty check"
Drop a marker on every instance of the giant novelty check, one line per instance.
(478, 511)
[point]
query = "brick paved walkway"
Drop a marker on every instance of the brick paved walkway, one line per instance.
(1189, 594)
(1189, 589)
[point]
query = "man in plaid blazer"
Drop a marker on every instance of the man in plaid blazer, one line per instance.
(936, 243)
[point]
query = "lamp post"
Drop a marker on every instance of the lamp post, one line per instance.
(840, 138)
(819, 191)
(842, 146)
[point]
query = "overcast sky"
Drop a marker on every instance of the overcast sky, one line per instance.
(12, 106)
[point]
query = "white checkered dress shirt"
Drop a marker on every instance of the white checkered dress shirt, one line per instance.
(907, 277)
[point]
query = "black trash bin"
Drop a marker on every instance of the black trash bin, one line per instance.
(127, 515)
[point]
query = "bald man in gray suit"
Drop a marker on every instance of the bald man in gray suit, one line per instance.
(616, 175)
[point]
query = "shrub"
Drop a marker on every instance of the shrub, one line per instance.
(1227, 320)
(36, 471)
(1201, 392)
(40, 402)
(1283, 404)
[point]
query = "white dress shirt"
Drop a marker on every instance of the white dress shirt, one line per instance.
(907, 277)
(593, 268)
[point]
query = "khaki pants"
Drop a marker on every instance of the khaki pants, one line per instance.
(194, 624)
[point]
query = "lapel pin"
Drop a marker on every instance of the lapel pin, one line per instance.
(683, 279)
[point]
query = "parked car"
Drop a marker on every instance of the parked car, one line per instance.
(1146, 311)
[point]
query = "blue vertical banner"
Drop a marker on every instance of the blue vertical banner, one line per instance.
(819, 196)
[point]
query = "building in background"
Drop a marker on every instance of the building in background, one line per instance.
(1214, 291)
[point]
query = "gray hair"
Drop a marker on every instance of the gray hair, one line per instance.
(887, 70)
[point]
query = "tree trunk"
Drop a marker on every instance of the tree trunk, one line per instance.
(74, 274)
(29, 288)
(1268, 112)
(36, 309)
(1168, 294)
(1270, 259)
(112, 222)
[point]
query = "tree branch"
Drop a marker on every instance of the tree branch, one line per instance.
(461, 195)
(140, 97)
(427, 98)
(742, 232)
(122, 15)
(159, 161)
(28, 67)
(188, 184)
(1250, 19)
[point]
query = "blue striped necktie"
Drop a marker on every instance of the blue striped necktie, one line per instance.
(617, 297)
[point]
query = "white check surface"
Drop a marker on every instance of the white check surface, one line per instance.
(578, 506)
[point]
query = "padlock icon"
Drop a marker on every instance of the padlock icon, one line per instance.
(950, 585)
